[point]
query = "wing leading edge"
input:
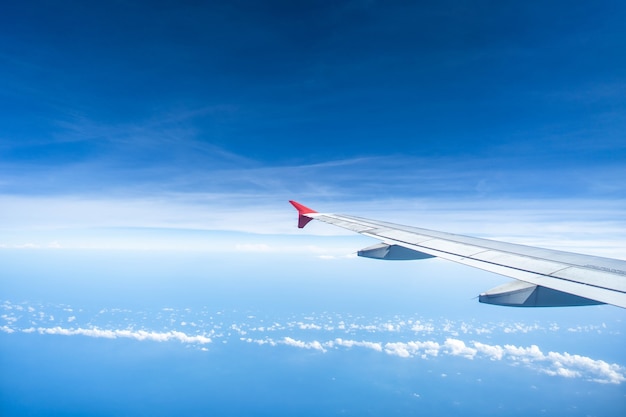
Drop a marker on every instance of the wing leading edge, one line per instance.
(545, 277)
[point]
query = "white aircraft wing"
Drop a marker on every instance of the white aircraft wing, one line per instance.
(544, 277)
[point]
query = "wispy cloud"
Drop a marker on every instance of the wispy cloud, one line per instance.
(191, 166)
(70, 222)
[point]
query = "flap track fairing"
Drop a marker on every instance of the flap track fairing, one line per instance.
(392, 253)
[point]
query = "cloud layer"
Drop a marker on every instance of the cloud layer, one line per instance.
(551, 363)
(129, 334)
(410, 338)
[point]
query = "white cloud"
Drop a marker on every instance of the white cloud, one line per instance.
(420, 327)
(303, 345)
(414, 348)
(571, 366)
(309, 326)
(524, 354)
(521, 328)
(494, 352)
(9, 319)
(6, 329)
(586, 329)
(131, 334)
(259, 342)
(554, 363)
(456, 347)
(398, 349)
(350, 343)
(564, 372)
(390, 327)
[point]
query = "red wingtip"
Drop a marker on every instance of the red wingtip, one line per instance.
(302, 210)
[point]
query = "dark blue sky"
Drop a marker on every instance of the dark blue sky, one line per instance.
(307, 99)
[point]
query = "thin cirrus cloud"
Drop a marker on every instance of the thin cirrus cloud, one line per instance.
(352, 178)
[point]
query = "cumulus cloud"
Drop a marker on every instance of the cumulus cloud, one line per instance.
(6, 329)
(571, 366)
(350, 343)
(493, 352)
(523, 354)
(304, 345)
(422, 327)
(456, 347)
(130, 334)
(259, 342)
(552, 363)
(309, 326)
(520, 328)
(555, 363)
(414, 348)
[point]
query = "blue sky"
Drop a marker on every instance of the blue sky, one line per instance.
(451, 115)
(141, 125)
(150, 97)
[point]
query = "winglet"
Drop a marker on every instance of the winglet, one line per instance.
(303, 220)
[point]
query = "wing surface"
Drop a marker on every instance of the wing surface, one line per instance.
(548, 277)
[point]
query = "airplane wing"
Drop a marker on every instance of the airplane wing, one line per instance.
(544, 277)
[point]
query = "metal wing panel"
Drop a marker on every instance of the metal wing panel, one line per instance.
(399, 235)
(522, 262)
(460, 249)
(595, 278)
(338, 221)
